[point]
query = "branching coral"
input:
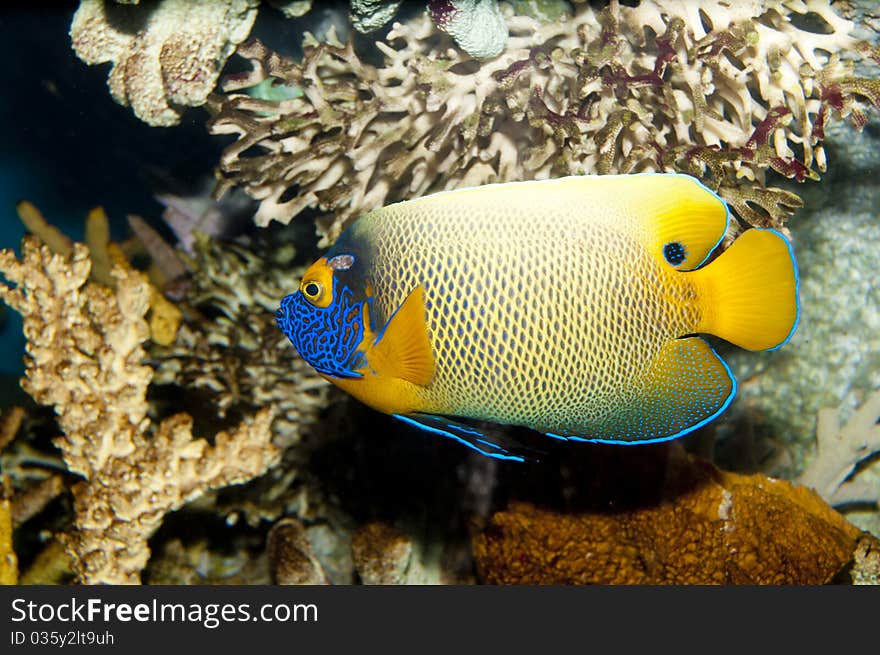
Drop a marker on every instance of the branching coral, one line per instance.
(724, 91)
(85, 358)
(230, 347)
(166, 55)
(712, 528)
(834, 471)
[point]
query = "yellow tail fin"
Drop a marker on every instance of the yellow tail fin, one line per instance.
(749, 295)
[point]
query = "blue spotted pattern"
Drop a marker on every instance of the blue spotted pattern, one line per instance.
(328, 338)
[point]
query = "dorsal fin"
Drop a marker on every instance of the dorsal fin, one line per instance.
(402, 349)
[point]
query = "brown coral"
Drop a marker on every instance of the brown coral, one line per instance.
(166, 54)
(712, 528)
(724, 91)
(85, 354)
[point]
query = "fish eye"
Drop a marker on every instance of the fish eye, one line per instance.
(312, 290)
(675, 252)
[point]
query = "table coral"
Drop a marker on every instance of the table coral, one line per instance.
(166, 55)
(724, 91)
(711, 528)
(85, 358)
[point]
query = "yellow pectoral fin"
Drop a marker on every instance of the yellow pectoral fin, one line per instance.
(402, 349)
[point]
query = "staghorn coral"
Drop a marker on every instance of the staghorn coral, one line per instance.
(230, 347)
(724, 91)
(712, 527)
(166, 55)
(85, 358)
(835, 471)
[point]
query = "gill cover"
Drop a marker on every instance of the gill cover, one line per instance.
(326, 319)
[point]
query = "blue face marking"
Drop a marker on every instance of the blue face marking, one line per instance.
(328, 338)
(675, 252)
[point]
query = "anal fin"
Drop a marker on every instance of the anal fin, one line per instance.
(485, 442)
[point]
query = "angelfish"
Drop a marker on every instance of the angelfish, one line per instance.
(570, 306)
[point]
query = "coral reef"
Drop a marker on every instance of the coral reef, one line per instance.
(166, 55)
(712, 527)
(85, 354)
(724, 92)
(229, 346)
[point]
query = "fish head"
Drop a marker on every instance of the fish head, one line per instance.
(327, 319)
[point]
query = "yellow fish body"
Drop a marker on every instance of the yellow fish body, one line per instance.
(569, 306)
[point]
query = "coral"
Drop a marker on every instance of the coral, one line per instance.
(164, 317)
(36, 223)
(833, 359)
(840, 450)
(381, 554)
(85, 358)
(291, 558)
(292, 8)
(711, 527)
(177, 563)
(543, 10)
(33, 500)
(384, 555)
(229, 346)
(166, 55)
(724, 91)
(866, 562)
(186, 215)
(8, 559)
(10, 422)
(477, 26)
(370, 15)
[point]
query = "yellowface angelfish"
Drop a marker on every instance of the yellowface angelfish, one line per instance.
(570, 306)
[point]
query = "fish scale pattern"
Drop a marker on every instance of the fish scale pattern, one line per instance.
(548, 320)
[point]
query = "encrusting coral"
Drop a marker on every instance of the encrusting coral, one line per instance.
(711, 527)
(724, 91)
(85, 358)
(166, 55)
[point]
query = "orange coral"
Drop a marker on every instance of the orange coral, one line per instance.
(713, 528)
